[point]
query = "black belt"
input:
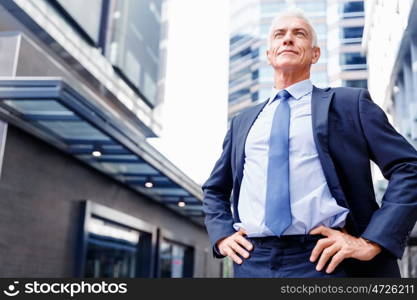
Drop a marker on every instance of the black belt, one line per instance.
(288, 239)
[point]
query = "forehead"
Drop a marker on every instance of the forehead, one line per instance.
(289, 23)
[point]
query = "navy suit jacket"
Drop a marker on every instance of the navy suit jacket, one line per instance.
(349, 130)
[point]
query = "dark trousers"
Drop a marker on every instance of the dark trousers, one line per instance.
(287, 256)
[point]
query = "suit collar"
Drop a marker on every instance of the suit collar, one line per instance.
(297, 90)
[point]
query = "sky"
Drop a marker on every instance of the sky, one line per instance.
(194, 115)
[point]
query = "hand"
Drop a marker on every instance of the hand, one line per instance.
(232, 245)
(340, 245)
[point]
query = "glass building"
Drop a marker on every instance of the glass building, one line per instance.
(390, 42)
(347, 63)
(338, 24)
(83, 194)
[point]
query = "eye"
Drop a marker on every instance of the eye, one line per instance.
(278, 34)
(300, 33)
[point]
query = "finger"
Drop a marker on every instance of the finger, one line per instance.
(240, 250)
(233, 256)
(241, 231)
(320, 245)
(244, 242)
(336, 260)
(222, 251)
(321, 230)
(325, 256)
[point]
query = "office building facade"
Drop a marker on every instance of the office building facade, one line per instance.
(82, 192)
(390, 43)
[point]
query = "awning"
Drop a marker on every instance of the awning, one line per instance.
(56, 113)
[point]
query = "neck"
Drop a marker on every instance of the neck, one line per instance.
(285, 79)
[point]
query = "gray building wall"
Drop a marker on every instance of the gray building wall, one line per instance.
(41, 191)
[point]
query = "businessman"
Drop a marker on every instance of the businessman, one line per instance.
(292, 194)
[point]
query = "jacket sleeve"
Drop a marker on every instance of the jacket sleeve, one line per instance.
(217, 191)
(392, 223)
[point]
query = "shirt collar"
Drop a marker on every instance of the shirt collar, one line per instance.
(297, 90)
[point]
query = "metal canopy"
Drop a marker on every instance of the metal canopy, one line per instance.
(58, 114)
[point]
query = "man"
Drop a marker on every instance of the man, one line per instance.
(298, 164)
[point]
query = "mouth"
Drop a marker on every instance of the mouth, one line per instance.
(287, 51)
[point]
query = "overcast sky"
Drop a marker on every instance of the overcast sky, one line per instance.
(194, 116)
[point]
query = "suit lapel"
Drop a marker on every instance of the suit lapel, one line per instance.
(245, 124)
(320, 105)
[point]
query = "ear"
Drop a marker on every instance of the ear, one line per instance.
(316, 54)
(268, 57)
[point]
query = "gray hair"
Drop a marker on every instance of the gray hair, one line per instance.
(293, 12)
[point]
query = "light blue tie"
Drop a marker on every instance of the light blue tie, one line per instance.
(278, 207)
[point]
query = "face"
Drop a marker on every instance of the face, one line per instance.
(291, 46)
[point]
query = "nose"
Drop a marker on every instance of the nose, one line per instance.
(288, 39)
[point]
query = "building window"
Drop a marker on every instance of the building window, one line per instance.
(352, 9)
(351, 35)
(239, 95)
(134, 44)
(353, 6)
(114, 244)
(255, 96)
(244, 53)
(236, 38)
(246, 78)
(255, 75)
(352, 61)
(176, 261)
(85, 16)
(111, 250)
(352, 32)
(356, 83)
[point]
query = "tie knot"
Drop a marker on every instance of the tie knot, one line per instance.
(283, 95)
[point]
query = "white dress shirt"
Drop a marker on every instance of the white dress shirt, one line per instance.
(311, 201)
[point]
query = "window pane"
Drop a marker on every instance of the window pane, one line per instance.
(134, 46)
(87, 14)
(353, 6)
(239, 94)
(356, 83)
(352, 32)
(176, 261)
(354, 58)
(111, 250)
(165, 259)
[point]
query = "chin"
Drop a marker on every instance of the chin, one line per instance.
(287, 64)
